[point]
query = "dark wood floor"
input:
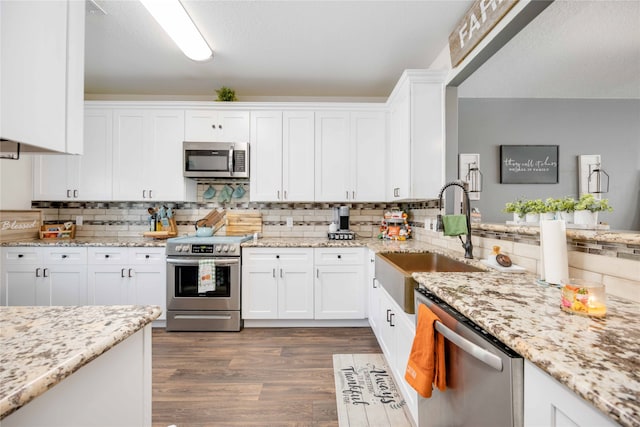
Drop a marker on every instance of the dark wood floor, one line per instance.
(257, 377)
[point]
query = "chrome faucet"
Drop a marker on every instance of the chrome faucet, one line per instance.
(467, 245)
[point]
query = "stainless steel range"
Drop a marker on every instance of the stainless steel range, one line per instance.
(193, 307)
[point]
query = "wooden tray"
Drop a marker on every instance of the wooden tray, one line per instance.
(57, 231)
(243, 223)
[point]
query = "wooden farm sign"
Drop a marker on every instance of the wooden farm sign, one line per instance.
(481, 17)
(19, 225)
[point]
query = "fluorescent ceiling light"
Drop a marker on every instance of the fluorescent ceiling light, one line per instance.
(172, 17)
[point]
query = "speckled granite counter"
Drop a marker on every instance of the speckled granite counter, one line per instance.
(40, 346)
(612, 236)
(92, 241)
(599, 359)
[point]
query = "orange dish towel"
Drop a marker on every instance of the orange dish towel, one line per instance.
(426, 365)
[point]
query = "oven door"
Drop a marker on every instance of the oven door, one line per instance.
(182, 285)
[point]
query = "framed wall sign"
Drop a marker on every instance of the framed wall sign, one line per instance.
(528, 164)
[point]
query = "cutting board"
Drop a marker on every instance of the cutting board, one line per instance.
(242, 223)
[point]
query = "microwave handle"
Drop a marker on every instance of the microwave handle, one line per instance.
(231, 160)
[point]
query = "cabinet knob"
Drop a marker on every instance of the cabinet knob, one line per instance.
(213, 126)
(339, 256)
(219, 126)
(277, 256)
(147, 256)
(20, 255)
(106, 256)
(64, 256)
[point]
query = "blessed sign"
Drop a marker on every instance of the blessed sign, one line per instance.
(528, 164)
(481, 17)
(18, 225)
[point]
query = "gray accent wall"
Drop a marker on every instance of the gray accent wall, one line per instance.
(610, 128)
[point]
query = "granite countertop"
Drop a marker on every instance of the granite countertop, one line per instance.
(599, 359)
(40, 346)
(92, 241)
(612, 236)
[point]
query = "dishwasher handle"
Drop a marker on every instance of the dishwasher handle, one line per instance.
(472, 349)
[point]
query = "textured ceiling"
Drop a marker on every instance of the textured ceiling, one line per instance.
(573, 49)
(295, 48)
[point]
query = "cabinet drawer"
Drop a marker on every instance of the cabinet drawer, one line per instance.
(339, 256)
(21, 255)
(147, 256)
(64, 255)
(250, 255)
(105, 256)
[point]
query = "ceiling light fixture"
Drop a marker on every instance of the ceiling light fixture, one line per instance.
(175, 20)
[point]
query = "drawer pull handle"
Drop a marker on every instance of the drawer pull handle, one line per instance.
(37, 272)
(131, 272)
(20, 255)
(45, 272)
(388, 314)
(64, 256)
(106, 256)
(122, 272)
(147, 256)
(391, 320)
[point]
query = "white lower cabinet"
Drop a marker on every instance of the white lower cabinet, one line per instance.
(340, 291)
(395, 331)
(43, 276)
(277, 283)
(303, 283)
(127, 276)
(549, 403)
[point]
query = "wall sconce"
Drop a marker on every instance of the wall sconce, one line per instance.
(598, 181)
(592, 178)
(469, 171)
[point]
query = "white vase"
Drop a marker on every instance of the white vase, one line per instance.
(566, 216)
(532, 217)
(547, 216)
(585, 217)
(517, 218)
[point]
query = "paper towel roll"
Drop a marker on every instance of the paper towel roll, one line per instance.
(554, 264)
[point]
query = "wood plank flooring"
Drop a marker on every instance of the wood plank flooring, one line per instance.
(257, 377)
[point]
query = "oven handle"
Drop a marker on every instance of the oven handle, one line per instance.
(467, 346)
(196, 261)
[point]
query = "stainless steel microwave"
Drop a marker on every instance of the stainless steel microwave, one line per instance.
(216, 159)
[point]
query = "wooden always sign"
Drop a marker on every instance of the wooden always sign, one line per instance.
(476, 23)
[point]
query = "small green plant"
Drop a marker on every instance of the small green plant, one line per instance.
(536, 206)
(588, 202)
(226, 94)
(553, 205)
(518, 207)
(567, 204)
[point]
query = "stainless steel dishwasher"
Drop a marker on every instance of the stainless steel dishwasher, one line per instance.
(484, 377)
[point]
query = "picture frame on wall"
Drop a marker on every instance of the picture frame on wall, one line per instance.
(529, 164)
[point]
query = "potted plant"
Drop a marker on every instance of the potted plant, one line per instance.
(226, 94)
(565, 208)
(518, 210)
(533, 210)
(587, 208)
(550, 208)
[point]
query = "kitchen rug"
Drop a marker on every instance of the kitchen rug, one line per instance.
(366, 394)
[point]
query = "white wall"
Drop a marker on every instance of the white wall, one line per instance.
(15, 184)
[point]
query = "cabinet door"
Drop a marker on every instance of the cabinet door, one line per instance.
(368, 142)
(399, 147)
(295, 291)
(129, 156)
(266, 156)
(201, 125)
(163, 167)
(298, 166)
(67, 284)
(259, 290)
(339, 292)
(235, 126)
(405, 331)
(108, 284)
(94, 174)
(55, 177)
(332, 160)
(20, 286)
(148, 283)
(34, 85)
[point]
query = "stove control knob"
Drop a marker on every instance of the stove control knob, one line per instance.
(218, 248)
(225, 248)
(232, 248)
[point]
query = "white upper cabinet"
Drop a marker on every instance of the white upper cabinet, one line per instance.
(349, 156)
(282, 165)
(216, 126)
(42, 74)
(83, 177)
(417, 140)
(147, 153)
